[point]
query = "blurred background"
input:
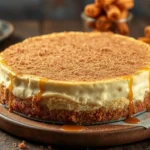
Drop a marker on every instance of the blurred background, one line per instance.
(56, 9)
(38, 9)
(36, 17)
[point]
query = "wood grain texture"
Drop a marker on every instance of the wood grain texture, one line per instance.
(7, 143)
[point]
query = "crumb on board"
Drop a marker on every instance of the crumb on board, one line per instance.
(22, 145)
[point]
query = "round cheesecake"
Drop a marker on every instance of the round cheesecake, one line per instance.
(75, 77)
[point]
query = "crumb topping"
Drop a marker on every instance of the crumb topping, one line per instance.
(77, 56)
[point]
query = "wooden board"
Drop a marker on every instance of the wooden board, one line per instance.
(89, 136)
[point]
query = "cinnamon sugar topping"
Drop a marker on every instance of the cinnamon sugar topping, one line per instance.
(78, 56)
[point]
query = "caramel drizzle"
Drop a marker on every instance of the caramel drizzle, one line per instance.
(10, 92)
(131, 119)
(41, 86)
(72, 128)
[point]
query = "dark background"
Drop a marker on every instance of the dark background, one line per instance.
(56, 9)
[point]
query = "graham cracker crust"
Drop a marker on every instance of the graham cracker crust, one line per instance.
(35, 109)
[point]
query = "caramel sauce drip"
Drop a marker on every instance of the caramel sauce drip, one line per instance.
(131, 119)
(10, 90)
(41, 86)
(72, 128)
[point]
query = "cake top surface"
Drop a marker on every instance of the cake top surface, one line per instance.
(77, 56)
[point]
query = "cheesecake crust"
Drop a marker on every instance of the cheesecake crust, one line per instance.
(35, 109)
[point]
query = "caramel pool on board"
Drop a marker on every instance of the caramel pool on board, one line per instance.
(72, 128)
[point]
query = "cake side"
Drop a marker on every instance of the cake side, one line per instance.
(91, 93)
(39, 110)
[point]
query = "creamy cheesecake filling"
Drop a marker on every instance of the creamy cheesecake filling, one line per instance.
(108, 93)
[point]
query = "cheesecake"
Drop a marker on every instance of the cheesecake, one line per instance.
(76, 77)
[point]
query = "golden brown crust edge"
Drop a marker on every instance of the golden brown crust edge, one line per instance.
(33, 108)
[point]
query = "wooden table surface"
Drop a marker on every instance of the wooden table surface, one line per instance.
(28, 28)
